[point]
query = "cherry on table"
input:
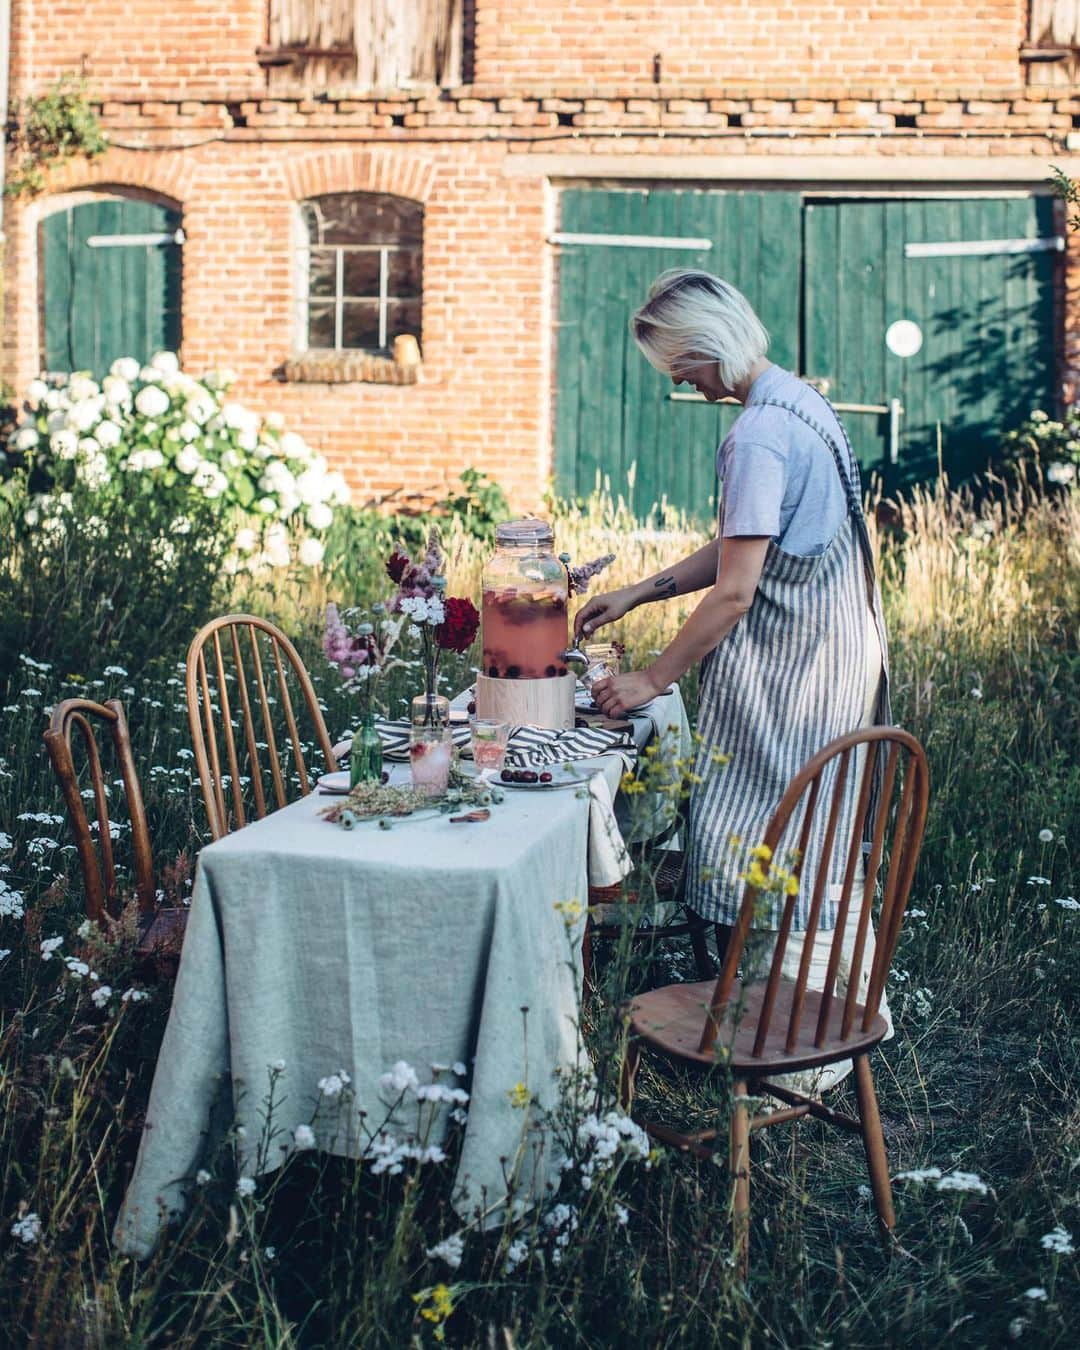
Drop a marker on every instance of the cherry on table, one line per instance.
(545, 778)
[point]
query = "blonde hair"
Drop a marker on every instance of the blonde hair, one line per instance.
(692, 317)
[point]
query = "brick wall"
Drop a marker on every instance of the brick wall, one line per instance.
(190, 121)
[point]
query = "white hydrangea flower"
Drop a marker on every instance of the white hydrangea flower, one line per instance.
(166, 362)
(274, 420)
(246, 540)
(311, 552)
(83, 416)
(239, 418)
(142, 461)
(81, 387)
(27, 437)
(266, 506)
(320, 516)
(125, 368)
(152, 401)
(64, 443)
(117, 390)
(188, 460)
(200, 407)
(36, 393)
(189, 430)
(108, 434)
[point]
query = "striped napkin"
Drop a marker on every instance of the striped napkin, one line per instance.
(529, 747)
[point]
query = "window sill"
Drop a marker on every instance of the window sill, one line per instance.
(348, 368)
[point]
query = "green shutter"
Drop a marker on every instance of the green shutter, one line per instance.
(105, 302)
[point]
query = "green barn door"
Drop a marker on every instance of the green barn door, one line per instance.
(985, 314)
(616, 421)
(110, 275)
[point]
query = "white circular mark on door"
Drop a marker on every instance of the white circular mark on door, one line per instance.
(904, 337)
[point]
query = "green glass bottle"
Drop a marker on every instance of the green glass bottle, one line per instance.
(365, 752)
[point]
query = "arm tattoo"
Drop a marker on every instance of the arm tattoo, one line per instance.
(665, 588)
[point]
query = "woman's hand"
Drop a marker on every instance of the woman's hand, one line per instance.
(618, 694)
(602, 609)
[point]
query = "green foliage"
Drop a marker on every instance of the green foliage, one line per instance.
(1050, 447)
(981, 1076)
(47, 129)
(1069, 191)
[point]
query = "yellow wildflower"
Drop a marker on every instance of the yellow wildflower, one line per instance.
(791, 886)
(570, 910)
(734, 840)
(439, 1308)
(519, 1096)
(762, 852)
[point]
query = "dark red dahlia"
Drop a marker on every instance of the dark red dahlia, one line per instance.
(457, 630)
(396, 565)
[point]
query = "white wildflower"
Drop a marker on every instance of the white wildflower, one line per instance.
(304, 1137)
(101, 995)
(333, 1084)
(622, 1215)
(962, 1181)
(49, 946)
(1059, 1241)
(1038, 881)
(1060, 472)
(459, 1068)
(450, 1250)
(78, 970)
(401, 1078)
(1036, 1293)
(245, 1186)
(1067, 902)
(27, 1229)
(1046, 836)
(134, 996)
(517, 1252)
(202, 1176)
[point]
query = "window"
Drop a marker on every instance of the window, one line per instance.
(1052, 53)
(359, 269)
(369, 44)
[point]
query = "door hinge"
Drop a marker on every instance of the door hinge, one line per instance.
(136, 240)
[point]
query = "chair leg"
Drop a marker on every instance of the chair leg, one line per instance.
(874, 1143)
(701, 951)
(740, 1171)
(628, 1074)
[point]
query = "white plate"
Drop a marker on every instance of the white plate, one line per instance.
(562, 776)
(334, 782)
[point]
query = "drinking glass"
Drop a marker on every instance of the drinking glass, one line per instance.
(489, 740)
(431, 751)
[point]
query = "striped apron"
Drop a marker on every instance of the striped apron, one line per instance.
(789, 677)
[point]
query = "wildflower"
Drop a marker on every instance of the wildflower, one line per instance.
(1058, 1241)
(5, 952)
(439, 1308)
(1046, 836)
(450, 1250)
(762, 852)
(622, 1215)
(962, 1181)
(27, 1229)
(1067, 902)
(435, 1092)
(570, 910)
(519, 1096)
(517, 1252)
(84, 929)
(920, 1175)
(101, 995)
(202, 1176)
(77, 969)
(401, 1078)
(49, 946)
(304, 1137)
(5, 842)
(278, 1066)
(1038, 881)
(133, 996)
(1036, 1293)
(11, 902)
(115, 670)
(458, 1068)
(245, 1186)
(333, 1084)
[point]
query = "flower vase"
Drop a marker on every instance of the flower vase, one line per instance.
(365, 752)
(430, 710)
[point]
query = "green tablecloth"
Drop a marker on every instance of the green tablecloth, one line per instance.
(337, 950)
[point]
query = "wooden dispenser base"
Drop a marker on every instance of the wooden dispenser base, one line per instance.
(532, 703)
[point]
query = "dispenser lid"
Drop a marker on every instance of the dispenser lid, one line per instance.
(519, 533)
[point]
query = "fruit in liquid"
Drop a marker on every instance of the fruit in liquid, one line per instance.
(430, 765)
(524, 633)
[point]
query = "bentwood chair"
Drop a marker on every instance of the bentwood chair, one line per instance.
(161, 928)
(239, 672)
(759, 1028)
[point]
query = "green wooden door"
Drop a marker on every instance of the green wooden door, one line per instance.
(987, 323)
(616, 423)
(110, 274)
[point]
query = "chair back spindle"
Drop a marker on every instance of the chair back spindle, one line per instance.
(835, 1017)
(256, 658)
(96, 855)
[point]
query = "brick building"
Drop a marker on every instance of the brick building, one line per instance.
(293, 184)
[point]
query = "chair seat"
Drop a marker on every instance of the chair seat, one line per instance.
(671, 1020)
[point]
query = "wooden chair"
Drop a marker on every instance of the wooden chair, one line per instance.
(759, 1028)
(273, 658)
(161, 929)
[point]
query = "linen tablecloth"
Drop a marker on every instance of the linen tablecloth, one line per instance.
(333, 950)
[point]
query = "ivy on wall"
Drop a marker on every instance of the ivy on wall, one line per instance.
(47, 129)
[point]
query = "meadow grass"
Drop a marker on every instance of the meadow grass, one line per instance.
(983, 604)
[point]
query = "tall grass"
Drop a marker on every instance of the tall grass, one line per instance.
(983, 604)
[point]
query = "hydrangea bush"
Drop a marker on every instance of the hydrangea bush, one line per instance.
(154, 431)
(1054, 446)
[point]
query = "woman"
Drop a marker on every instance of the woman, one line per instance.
(790, 633)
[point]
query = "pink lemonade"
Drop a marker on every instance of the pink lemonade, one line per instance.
(524, 632)
(488, 754)
(429, 761)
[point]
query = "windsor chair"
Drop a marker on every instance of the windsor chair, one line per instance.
(263, 715)
(761, 1027)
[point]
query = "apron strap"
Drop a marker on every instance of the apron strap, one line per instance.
(849, 473)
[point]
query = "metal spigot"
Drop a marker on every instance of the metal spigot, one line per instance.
(573, 655)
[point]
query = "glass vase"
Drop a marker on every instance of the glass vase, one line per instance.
(365, 752)
(430, 710)
(431, 753)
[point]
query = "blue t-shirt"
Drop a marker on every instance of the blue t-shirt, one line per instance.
(779, 477)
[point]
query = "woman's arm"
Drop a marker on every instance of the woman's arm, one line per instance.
(691, 574)
(741, 561)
